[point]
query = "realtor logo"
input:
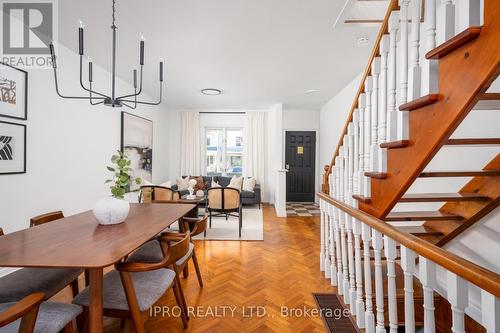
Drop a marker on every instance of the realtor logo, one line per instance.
(28, 27)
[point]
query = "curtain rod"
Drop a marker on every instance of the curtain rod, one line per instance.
(215, 112)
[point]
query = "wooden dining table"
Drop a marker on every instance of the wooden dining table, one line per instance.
(79, 241)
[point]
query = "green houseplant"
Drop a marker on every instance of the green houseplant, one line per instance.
(121, 175)
(114, 209)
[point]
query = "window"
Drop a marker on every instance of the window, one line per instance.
(224, 153)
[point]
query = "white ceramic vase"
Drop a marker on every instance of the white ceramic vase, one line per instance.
(111, 210)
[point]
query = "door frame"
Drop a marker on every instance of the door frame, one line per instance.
(316, 170)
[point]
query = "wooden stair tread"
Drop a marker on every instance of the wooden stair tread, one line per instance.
(440, 197)
(420, 231)
(395, 144)
(362, 198)
(488, 101)
(473, 141)
(476, 173)
(454, 43)
(421, 216)
(419, 102)
(377, 175)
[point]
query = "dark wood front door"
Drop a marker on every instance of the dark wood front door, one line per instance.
(300, 158)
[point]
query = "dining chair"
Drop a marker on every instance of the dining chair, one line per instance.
(153, 192)
(223, 201)
(49, 281)
(134, 287)
(31, 314)
(151, 251)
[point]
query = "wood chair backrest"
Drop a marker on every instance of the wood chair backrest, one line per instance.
(150, 193)
(26, 309)
(199, 225)
(224, 198)
(1, 232)
(45, 218)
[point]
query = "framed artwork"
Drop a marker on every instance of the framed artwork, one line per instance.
(13, 92)
(137, 144)
(12, 148)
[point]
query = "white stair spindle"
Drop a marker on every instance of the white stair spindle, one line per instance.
(367, 135)
(327, 244)
(390, 254)
(427, 272)
(445, 21)
(382, 115)
(355, 122)
(360, 305)
(415, 74)
(403, 124)
(374, 115)
(369, 316)
(332, 268)
(430, 67)
(343, 233)
(361, 146)
(469, 14)
(336, 231)
(408, 266)
(490, 312)
(458, 298)
(322, 236)
(378, 244)
(349, 200)
(392, 113)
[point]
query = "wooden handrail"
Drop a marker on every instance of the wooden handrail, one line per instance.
(477, 275)
(393, 5)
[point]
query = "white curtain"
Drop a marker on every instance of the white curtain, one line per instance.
(254, 148)
(190, 144)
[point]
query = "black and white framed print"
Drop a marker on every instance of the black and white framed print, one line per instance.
(13, 92)
(12, 148)
(137, 144)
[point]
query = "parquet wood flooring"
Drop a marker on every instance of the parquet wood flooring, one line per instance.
(282, 270)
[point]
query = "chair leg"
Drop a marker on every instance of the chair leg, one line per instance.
(82, 320)
(87, 278)
(210, 220)
(178, 299)
(74, 287)
(68, 328)
(197, 268)
(181, 293)
(240, 222)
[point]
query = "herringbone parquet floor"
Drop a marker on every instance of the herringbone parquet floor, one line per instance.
(253, 279)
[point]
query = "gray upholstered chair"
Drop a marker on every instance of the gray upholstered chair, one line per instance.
(26, 281)
(31, 315)
(134, 287)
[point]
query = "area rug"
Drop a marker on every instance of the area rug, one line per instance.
(333, 315)
(253, 227)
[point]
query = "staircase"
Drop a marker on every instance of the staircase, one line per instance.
(418, 88)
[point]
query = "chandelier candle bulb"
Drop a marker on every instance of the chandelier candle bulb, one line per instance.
(142, 52)
(80, 39)
(90, 70)
(135, 77)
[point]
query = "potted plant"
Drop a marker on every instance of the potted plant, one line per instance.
(114, 209)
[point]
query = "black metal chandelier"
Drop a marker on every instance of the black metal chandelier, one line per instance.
(96, 98)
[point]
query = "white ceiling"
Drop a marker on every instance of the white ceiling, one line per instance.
(259, 52)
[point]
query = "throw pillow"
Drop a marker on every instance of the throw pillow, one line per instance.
(236, 182)
(168, 184)
(215, 184)
(200, 184)
(249, 184)
(182, 183)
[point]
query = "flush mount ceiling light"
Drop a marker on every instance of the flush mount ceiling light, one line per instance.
(112, 99)
(312, 91)
(363, 41)
(211, 91)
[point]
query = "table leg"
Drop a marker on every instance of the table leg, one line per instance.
(95, 305)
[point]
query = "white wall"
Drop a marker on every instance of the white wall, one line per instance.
(69, 144)
(332, 117)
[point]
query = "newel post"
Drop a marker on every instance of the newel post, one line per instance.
(325, 187)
